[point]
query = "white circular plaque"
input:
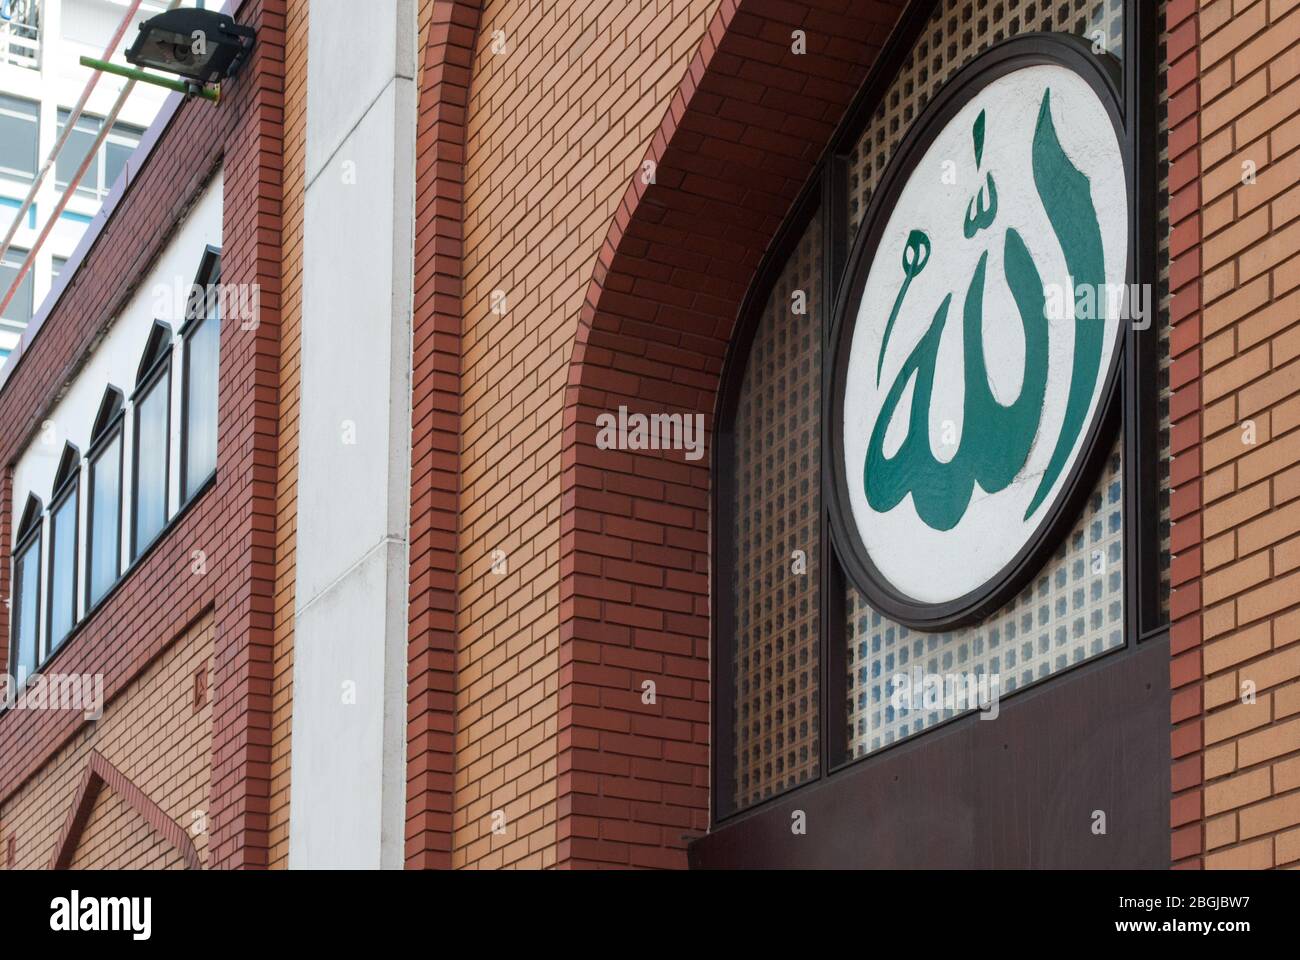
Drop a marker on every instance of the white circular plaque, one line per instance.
(986, 331)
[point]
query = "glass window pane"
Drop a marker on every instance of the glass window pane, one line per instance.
(56, 266)
(115, 157)
(75, 151)
(27, 585)
(18, 138)
(104, 555)
(118, 148)
(151, 464)
(201, 362)
(63, 570)
(19, 311)
(777, 511)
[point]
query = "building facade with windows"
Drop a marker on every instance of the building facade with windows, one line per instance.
(675, 434)
(135, 411)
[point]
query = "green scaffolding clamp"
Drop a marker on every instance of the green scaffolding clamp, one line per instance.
(212, 94)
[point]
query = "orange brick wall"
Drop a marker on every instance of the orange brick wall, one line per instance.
(117, 837)
(152, 733)
(556, 128)
(1250, 357)
(286, 483)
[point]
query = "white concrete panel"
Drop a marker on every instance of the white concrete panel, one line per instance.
(349, 765)
(353, 54)
(355, 403)
(348, 782)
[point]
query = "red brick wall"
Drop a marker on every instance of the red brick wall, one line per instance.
(525, 682)
(435, 434)
(1249, 668)
(152, 733)
(740, 138)
(234, 523)
(286, 529)
(1182, 90)
(556, 126)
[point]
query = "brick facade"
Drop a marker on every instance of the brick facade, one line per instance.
(740, 138)
(557, 124)
(1249, 144)
(1182, 93)
(539, 595)
(596, 187)
(448, 51)
(233, 523)
(294, 186)
(153, 734)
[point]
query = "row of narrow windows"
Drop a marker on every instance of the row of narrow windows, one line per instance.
(113, 456)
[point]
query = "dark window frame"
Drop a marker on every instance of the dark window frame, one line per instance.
(156, 369)
(108, 428)
(66, 487)
(209, 274)
(1137, 407)
(30, 534)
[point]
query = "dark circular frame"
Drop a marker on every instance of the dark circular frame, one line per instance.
(1102, 72)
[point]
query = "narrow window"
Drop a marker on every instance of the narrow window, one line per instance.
(202, 337)
(106, 164)
(23, 652)
(121, 143)
(152, 440)
(63, 549)
(74, 153)
(104, 500)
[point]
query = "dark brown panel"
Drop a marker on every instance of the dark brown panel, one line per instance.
(1017, 791)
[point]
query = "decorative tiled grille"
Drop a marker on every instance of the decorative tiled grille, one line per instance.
(959, 31)
(777, 521)
(1074, 608)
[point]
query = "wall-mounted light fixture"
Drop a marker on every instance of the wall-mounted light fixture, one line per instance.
(203, 47)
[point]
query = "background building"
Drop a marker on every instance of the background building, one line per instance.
(381, 596)
(40, 82)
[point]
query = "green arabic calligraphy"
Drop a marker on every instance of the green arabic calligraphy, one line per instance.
(996, 438)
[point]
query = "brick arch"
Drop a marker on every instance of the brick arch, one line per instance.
(742, 134)
(98, 775)
(435, 436)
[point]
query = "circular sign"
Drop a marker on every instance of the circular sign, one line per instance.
(977, 345)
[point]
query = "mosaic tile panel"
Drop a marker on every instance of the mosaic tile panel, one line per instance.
(778, 509)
